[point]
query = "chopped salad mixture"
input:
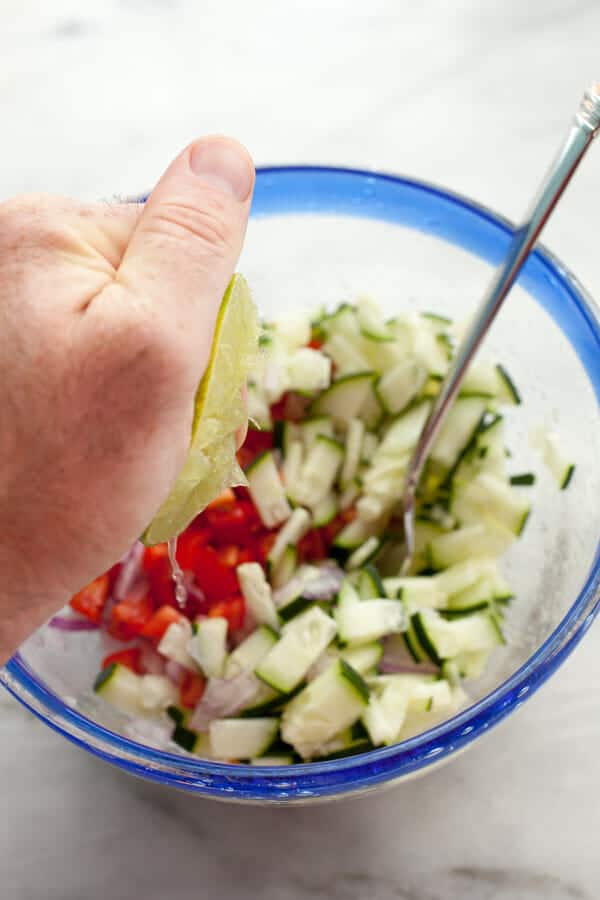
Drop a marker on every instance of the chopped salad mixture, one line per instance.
(295, 637)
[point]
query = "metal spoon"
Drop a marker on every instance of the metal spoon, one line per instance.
(583, 130)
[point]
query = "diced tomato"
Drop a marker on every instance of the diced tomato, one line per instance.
(245, 457)
(312, 546)
(234, 525)
(278, 409)
(158, 623)
(233, 609)
(155, 563)
(316, 343)
(129, 658)
(187, 546)
(91, 599)
(154, 557)
(191, 689)
(263, 545)
(258, 441)
(129, 616)
(214, 577)
(246, 555)
(229, 554)
(242, 493)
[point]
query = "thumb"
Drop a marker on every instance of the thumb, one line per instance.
(187, 241)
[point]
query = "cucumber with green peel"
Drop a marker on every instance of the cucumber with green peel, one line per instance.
(416, 591)
(346, 355)
(308, 371)
(283, 570)
(267, 490)
(369, 446)
(325, 510)
(290, 533)
(330, 703)
(290, 468)
(508, 392)
(258, 594)
(253, 649)
(352, 451)
(319, 470)
(369, 620)
(371, 412)
(365, 553)
(273, 760)
(284, 434)
(458, 430)
(344, 398)
(468, 542)
(302, 641)
(488, 497)
(369, 583)
(353, 535)
(363, 659)
(397, 387)
(313, 427)
(242, 738)
(208, 646)
(349, 494)
(443, 639)
(296, 606)
(120, 687)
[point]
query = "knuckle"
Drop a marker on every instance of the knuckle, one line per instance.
(207, 226)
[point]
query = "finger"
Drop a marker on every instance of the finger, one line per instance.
(185, 246)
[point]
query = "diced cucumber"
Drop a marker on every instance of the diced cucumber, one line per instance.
(242, 738)
(325, 510)
(267, 491)
(257, 594)
(429, 351)
(369, 583)
(371, 411)
(349, 494)
(293, 330)
(508, 392)
(413, 645)
(346, 355)
(290, 468)
(302, 641)
(459, 428)
(475, 597)
(437, 323)
(330, 703)
(425, 532)
(248, 654)
(308, 370)
(348, 594)
(403, 433)
(352, 451)
(416, 591)
(344, 399)
(417, 721)
(313, 427)
(294, 529)
(365, 553)
(285, 567)
(208, 646)
(174, 643)
(120, 687)
(353, 535)
(481, 380)
(284, 434)
(369, 446)
(524, 479)
(294, 608)
(369, 620)
(319, 470)
(463, 575)
(471, 664)
(157, 693)
(370, 321)
(399, 385)
(363, 659)
(488, 497)
(444, 639)
(468, 542)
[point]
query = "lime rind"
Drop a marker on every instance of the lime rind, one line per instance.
(219, 412)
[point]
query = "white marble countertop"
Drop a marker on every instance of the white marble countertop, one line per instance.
(96, 98)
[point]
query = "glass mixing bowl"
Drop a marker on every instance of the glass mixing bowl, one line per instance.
(319, 235)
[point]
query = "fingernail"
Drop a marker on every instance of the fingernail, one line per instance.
(223, 164)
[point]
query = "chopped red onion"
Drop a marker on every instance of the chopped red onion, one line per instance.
(223, 697)
(68, 623)
(130, 571)
(175, 672)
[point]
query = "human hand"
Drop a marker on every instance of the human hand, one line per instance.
(107, 315)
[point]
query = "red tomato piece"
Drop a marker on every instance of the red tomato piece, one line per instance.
(233, 526)
(312, 546)
(233, 609)
(129, 658)
(129, 616)
(245, 457)
(158, 623)
(278, 409)
(263, 545)
(258, 441)
(245, 556)
(91, 599)
(315, 344)
(191, 690)
(226, 498)
(214, 577)
(187, 547)
(229, 554)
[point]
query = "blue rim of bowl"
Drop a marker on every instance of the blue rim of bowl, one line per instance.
(363, 772)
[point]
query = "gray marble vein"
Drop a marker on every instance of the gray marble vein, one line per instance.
(96, 98)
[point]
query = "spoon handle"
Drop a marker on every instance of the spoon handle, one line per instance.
(583, 130)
